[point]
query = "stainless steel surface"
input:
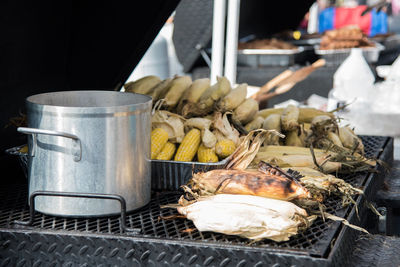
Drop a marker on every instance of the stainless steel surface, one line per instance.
(337, 56)
(114, 132)
(268, 57)
(170, 175)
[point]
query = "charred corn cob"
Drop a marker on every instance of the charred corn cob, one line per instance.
(142, 85)
(205, 154)
(246, 111)
(233, 99)
(177, 88)
(224, 148)
(290, 118)
(159, 137)
(167, 152)
(265, 182)
(189, 146)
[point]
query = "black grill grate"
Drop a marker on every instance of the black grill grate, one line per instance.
(315, 241)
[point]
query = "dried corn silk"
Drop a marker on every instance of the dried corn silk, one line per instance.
(290, 118)
(171, 122)
(251, 217)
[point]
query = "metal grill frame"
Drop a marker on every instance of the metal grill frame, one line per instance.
(80, 247)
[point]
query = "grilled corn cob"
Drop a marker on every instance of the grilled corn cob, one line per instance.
(265, 183)
(205, 154)
(224, 148)
(142, 85)
(159, 137)
(189, 146)
(233, 99)
(167, 152)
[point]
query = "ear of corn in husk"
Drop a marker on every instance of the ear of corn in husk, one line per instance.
(142, 85)
(205, 154)
(290, 118)
(167, 152)
(159, 137)
(160, 89)
(250, 217)
(170, 122)
(233, 99)
(264, 182)
(293, 138)
(208, 99)
(189, 146)
(246, 111)
(254, 124)
(305, 114)
(193, 93)
(334, 138)
(350, 140)
(272, 122)
(176, 89)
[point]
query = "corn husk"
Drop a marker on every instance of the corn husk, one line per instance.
(350, 140)
(160, 89)
(193, 93)
(176, 89)
(305, 114)
(208, 99)
(246, 111)
(290, 118)
(250, 217)
(233, 99)
(171, 122)
(272, 122)
(199, 123)
(254, 124)
(208, 138)
(294, 138)
(222, 124)
(142, 85)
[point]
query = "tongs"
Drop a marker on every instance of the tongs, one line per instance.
(285, 81)
(379, 6)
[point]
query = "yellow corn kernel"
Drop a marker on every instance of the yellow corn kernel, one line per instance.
(189, 146)
(205, 154)
(159, 137)
(167, 152)
(225, 148)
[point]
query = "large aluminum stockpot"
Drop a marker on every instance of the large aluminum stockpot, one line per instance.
(89, 142)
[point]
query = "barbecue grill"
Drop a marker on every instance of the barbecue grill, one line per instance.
(160, 239)
(71, 51)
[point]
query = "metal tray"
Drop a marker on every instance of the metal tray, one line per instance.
(337, 56)
(268, 57)
(55, 241)
(170, 175)
(165, 174)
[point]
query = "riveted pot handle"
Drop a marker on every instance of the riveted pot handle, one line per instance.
(76, 142)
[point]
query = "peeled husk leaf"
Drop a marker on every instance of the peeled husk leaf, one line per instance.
(222, 124)
(208, 138)
(199, 123)
(171, 122)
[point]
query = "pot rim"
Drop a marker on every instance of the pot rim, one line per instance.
(39, 103)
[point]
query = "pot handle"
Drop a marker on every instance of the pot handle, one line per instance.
(76, 142)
